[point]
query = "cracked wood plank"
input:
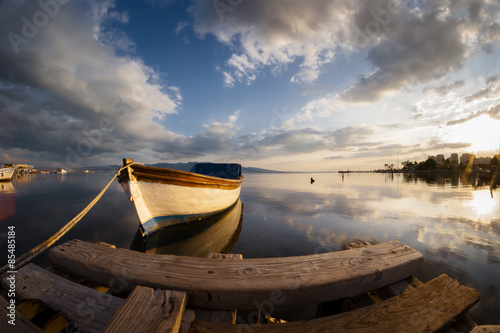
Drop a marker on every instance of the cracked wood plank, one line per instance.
(149, 310)
(431, 307)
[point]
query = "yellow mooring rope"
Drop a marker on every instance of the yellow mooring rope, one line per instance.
(28, 256)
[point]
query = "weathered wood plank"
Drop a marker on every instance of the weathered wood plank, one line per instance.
(219, 316)
(187, 319)
(216, 316)
(486, 329)
(21, 324)
(89, 309)
(31, 308)
(225, 256)
(429, 308)
(463, 325)
(149, 310)
(239, 284)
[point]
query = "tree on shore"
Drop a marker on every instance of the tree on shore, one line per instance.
(429, 164)
(495, 161)
(409, 166)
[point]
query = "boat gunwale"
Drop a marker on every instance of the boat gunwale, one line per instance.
(179, 177)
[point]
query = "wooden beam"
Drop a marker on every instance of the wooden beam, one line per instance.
(20, 323)
(219, 316)
(431, 307)
(486, 329)
(463, 325)
(149, 310)
(89, 309)
(241, 284)
(187, 320)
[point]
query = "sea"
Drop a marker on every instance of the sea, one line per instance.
(453, 223)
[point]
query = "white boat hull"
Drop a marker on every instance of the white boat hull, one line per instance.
(171, 197)
(7, 173)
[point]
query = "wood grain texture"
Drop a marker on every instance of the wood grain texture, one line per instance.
(187, 320)
(149, 310)
(463, 325)
(431, 307)
(22, 325)
(486, 329)
(240, 284)
(89, 309)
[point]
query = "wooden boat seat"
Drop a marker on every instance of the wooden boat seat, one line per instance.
(242, 284)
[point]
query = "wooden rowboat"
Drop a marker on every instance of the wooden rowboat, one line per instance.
(7, 173)
(165, 197)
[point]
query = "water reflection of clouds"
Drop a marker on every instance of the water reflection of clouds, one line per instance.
(310, 204)
(454, 225)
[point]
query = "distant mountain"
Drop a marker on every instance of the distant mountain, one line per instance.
(187, 166)
(176, 166)
(258, 170)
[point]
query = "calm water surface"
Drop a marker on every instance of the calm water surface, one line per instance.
(455, 226)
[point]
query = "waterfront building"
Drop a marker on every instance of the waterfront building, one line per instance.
(440, 159)
(465, 158)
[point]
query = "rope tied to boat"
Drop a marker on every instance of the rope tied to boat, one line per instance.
(30, 255)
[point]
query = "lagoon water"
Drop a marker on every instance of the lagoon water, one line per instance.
(455, 226)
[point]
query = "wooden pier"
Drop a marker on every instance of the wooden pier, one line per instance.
(98, 288)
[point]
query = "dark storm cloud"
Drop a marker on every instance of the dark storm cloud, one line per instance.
(413, 49)
(63, 88)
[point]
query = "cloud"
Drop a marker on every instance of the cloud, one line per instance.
(405, 44)
(445, 89)
(273, 34)
(351, 136)
(68, 87)
(180, 27)
(416, 48)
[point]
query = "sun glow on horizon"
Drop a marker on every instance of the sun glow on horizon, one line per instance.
(483, 133)
(484, 205)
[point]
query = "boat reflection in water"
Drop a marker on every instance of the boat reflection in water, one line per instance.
(7, 188)
(217, 233)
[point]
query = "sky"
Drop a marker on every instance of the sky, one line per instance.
(287, 85)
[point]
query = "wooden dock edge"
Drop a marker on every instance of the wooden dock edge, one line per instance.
(486, 329)
(462, 325)
(149, 310)
(431, 307)
(49, 287)
(13, 321)
(239, 284)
